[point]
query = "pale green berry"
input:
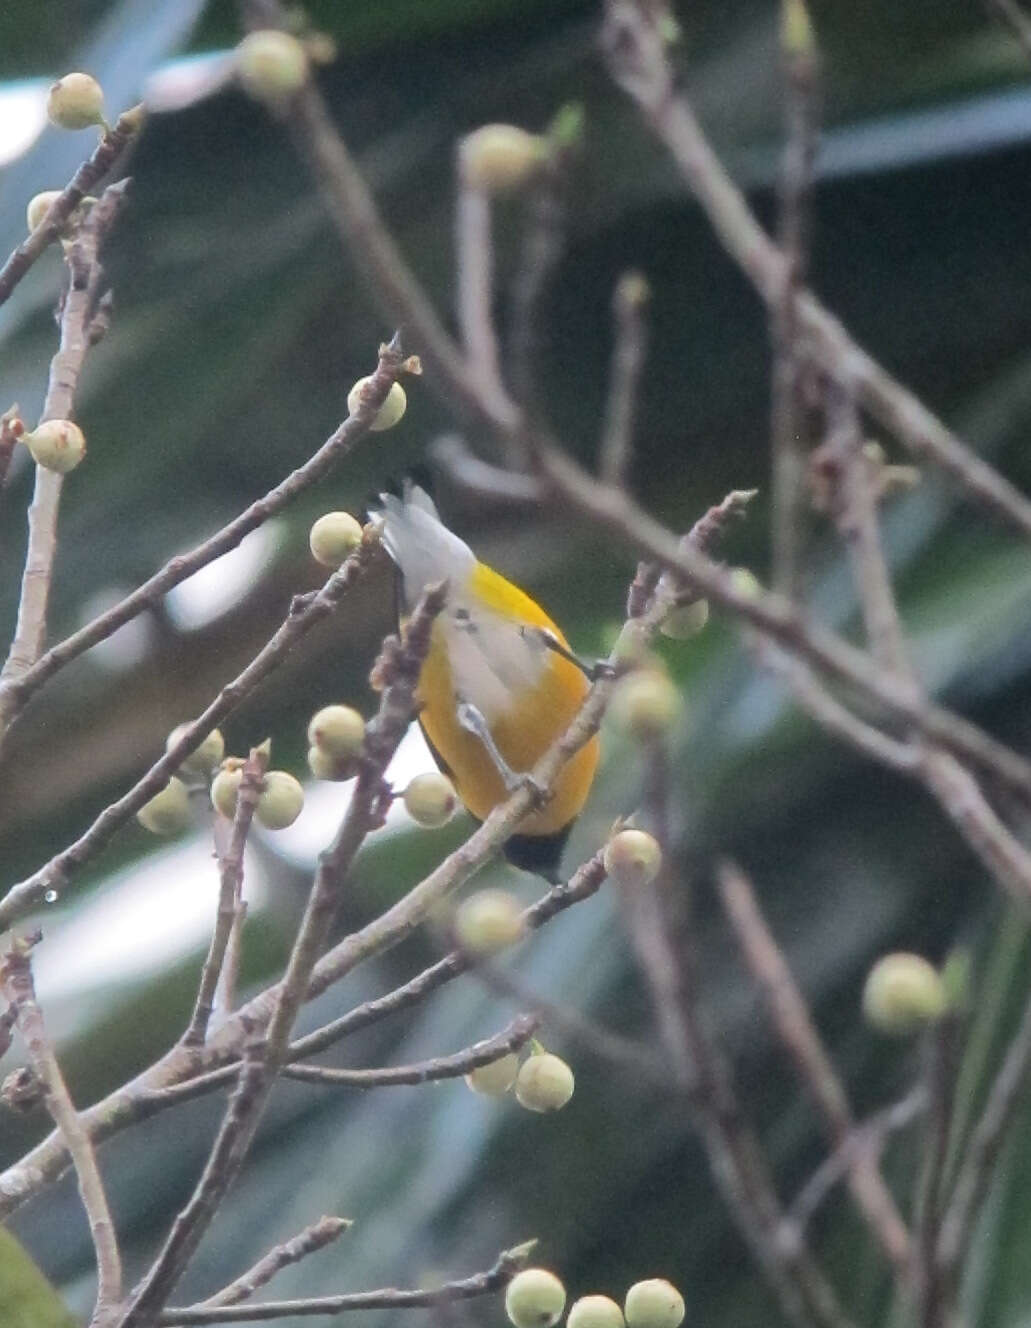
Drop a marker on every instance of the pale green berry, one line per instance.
(271, 65)
(203, 759)
(746, 583)
(544, 1082)
(337, 730)
(76, 102)
(388, 414)
(594, 1312)
(489, 921)
(645, 704)
(535, 1298)
(168, 812)
(56, 445)
(431, 800)
(903, 992)
(654, 1303)
(226, 786)
(281, 801)
(39, 206)
(495, 1078)
(632, 858)
(686, 620)
(499, 158)
(334, 537)
(796, 29)
(324, 766)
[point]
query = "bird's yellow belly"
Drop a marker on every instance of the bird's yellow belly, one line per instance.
(522, 734)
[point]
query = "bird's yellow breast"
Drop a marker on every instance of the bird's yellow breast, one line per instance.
(524, 726)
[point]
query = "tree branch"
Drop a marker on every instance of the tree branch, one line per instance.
(636, 53)
(108, 153)
(313, 1238)
(798, 1034)
(482, 1284)
(76, 314)
(229, 897)
(15, 694)
(510, 1039)
(304, 615)
(19, 989)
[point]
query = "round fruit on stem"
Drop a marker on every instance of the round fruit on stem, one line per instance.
(535, 1298)
(544, 1083)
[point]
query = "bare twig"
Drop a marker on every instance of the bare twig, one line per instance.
(541, 250)
(977, 1167)
(510, 1039)
(482, 1284)
(303, 616)
(736, 1159)
(11, 429)
(867, 1138)
(229, 896)
(15, 694)
(800, 1038)
(847, 481)
(146, 1094)
(313, 1238)
(935, 1290)
(19, 989)
(398, 668)
(474, 266)
(107, 154)
(628, 354)
(788, 414)
(65, 368)
(831, 715)
(475, 475)
(635, 48)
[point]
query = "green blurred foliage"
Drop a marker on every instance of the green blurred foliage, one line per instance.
(240, 325)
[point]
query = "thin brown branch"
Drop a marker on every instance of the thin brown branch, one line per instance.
(788, 414)
(14, 695)
(474, 267)
(542, 245)
(978, 1165)
(19, 989)
(146, 1094)
(868, 1139)
(736, 1159)
(847, 480)
(11, 429)
(510, 1039)
(480, 477)
(389, 1298)
(630, 346)
(398, 670)
(108, 153)
(304, 615)
(229, 897)
(783, 622)
(313, 1238)
(635, 49)
(798, 1034)
(65, 369)
(831, 715)
(936, 1292)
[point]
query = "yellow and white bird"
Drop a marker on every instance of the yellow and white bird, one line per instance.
(499, 683)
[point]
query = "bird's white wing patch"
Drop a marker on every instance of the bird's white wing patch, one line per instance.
(492, 662)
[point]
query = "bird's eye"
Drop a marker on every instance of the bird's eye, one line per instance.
(462, 615)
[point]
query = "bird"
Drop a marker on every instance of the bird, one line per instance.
(499, 684)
